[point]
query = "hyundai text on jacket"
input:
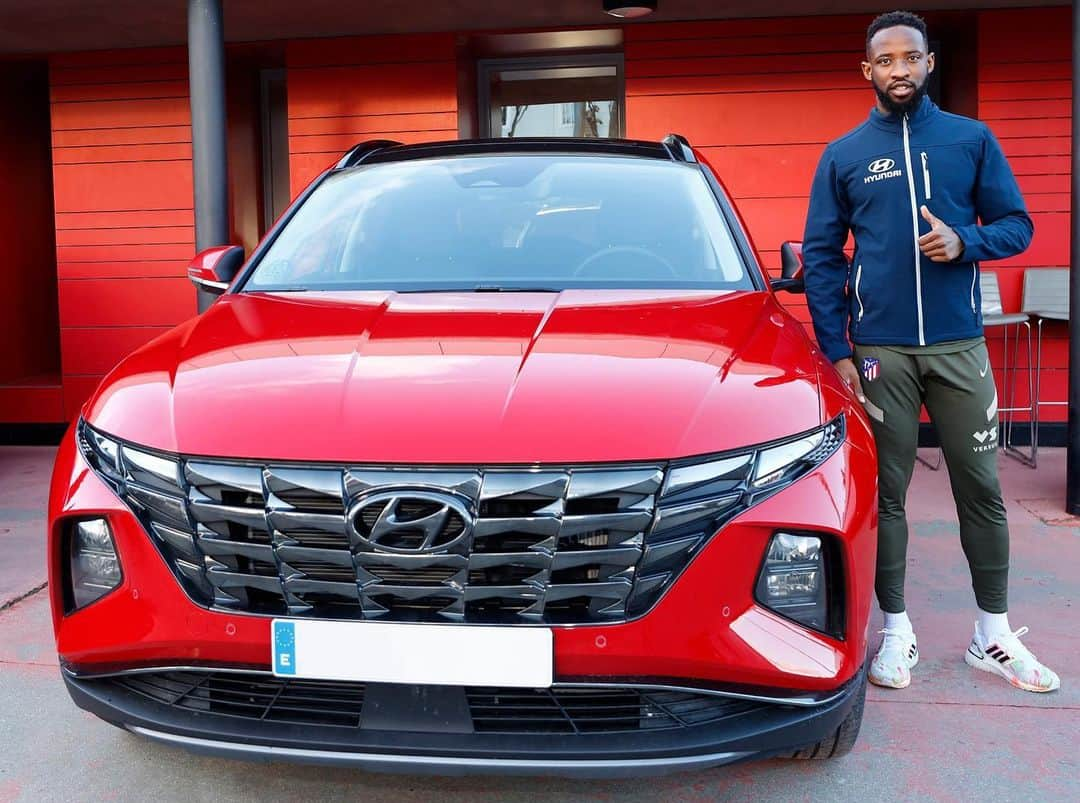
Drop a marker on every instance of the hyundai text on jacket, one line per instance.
(872, 182)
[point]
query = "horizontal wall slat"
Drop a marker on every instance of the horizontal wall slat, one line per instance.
(125, 302)
(302, 131)
(138, 219)
(128, 269)
(121, 113)
(126, 236)
(124, 253)
(107, 154)
(87, 137)
(122, 186)
(83, 93)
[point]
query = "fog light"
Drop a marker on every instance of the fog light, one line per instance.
(95, 568)
(792, 581)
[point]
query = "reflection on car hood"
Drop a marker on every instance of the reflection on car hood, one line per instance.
(577, 376)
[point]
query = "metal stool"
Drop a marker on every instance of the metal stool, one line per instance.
(1046, 298)
(994, 315)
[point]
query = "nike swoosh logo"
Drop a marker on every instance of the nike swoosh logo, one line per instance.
(982, 373)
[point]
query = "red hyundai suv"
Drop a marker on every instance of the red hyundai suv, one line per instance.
(493, 456)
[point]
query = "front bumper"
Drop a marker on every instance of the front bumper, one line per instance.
(706, 634)
(706, 631)
(446, 730)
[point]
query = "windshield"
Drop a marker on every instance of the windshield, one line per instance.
(521, 222)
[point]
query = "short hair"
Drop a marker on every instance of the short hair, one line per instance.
(894, 18)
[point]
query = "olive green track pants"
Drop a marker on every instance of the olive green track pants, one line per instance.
(960, 396)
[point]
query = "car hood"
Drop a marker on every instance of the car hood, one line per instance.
(577, 376)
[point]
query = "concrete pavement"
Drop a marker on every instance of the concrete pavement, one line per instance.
(955, 734)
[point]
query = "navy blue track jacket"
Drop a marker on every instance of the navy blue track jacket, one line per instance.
(872, 182)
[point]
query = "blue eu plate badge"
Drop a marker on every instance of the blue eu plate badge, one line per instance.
(284, 647)
(871, 368)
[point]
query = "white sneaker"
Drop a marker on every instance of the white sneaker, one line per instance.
(895, 659)
(1007, 657)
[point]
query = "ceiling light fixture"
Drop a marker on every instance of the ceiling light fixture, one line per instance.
(627, 10)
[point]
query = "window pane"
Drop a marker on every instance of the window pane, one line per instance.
(579, 101)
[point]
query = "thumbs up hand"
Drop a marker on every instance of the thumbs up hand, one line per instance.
(942, 244)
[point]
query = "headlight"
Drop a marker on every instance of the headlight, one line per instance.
(150, 486)
(93, 566)
(700, 496)
(784, 463)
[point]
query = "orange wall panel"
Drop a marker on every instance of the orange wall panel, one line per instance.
(124, 206)
(343, 91)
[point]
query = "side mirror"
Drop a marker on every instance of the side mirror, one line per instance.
(791, 269)
(213, 270)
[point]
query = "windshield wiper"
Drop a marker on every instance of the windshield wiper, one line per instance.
(496, 288)
(481, 288)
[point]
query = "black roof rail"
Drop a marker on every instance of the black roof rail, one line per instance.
(358, 153)
(679, 148)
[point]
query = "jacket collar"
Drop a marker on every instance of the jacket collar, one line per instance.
(891, 122)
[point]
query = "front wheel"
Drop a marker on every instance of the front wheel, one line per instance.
(840, 742)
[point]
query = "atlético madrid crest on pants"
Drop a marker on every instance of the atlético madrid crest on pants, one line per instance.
(871, 367)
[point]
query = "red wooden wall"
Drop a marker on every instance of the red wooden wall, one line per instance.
(121, 135)
(343, 91)
(1025, 96)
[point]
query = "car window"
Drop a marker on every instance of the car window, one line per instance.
(507, 222)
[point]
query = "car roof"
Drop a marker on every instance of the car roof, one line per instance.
(673, 148)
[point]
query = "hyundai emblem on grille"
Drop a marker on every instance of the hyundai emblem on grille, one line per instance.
(406, 520)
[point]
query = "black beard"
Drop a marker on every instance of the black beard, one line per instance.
(900, 109)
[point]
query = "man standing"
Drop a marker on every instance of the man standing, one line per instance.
(903, 327)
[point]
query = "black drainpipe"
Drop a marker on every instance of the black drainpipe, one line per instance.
(206, 76)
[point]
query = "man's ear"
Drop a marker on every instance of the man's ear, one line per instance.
(930, 62)
(868, 71)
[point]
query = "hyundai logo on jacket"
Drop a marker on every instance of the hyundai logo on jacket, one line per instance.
(872, 182)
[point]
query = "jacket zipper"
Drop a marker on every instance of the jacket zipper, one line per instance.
(926, 173)
(973, 277)
(915, 230)
(858, 278)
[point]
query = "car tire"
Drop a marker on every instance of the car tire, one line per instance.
(843, 738)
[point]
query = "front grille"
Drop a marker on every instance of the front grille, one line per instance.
(252, 696)
(616, 710)
(484, 545)
(258, 696)
(491, 545)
